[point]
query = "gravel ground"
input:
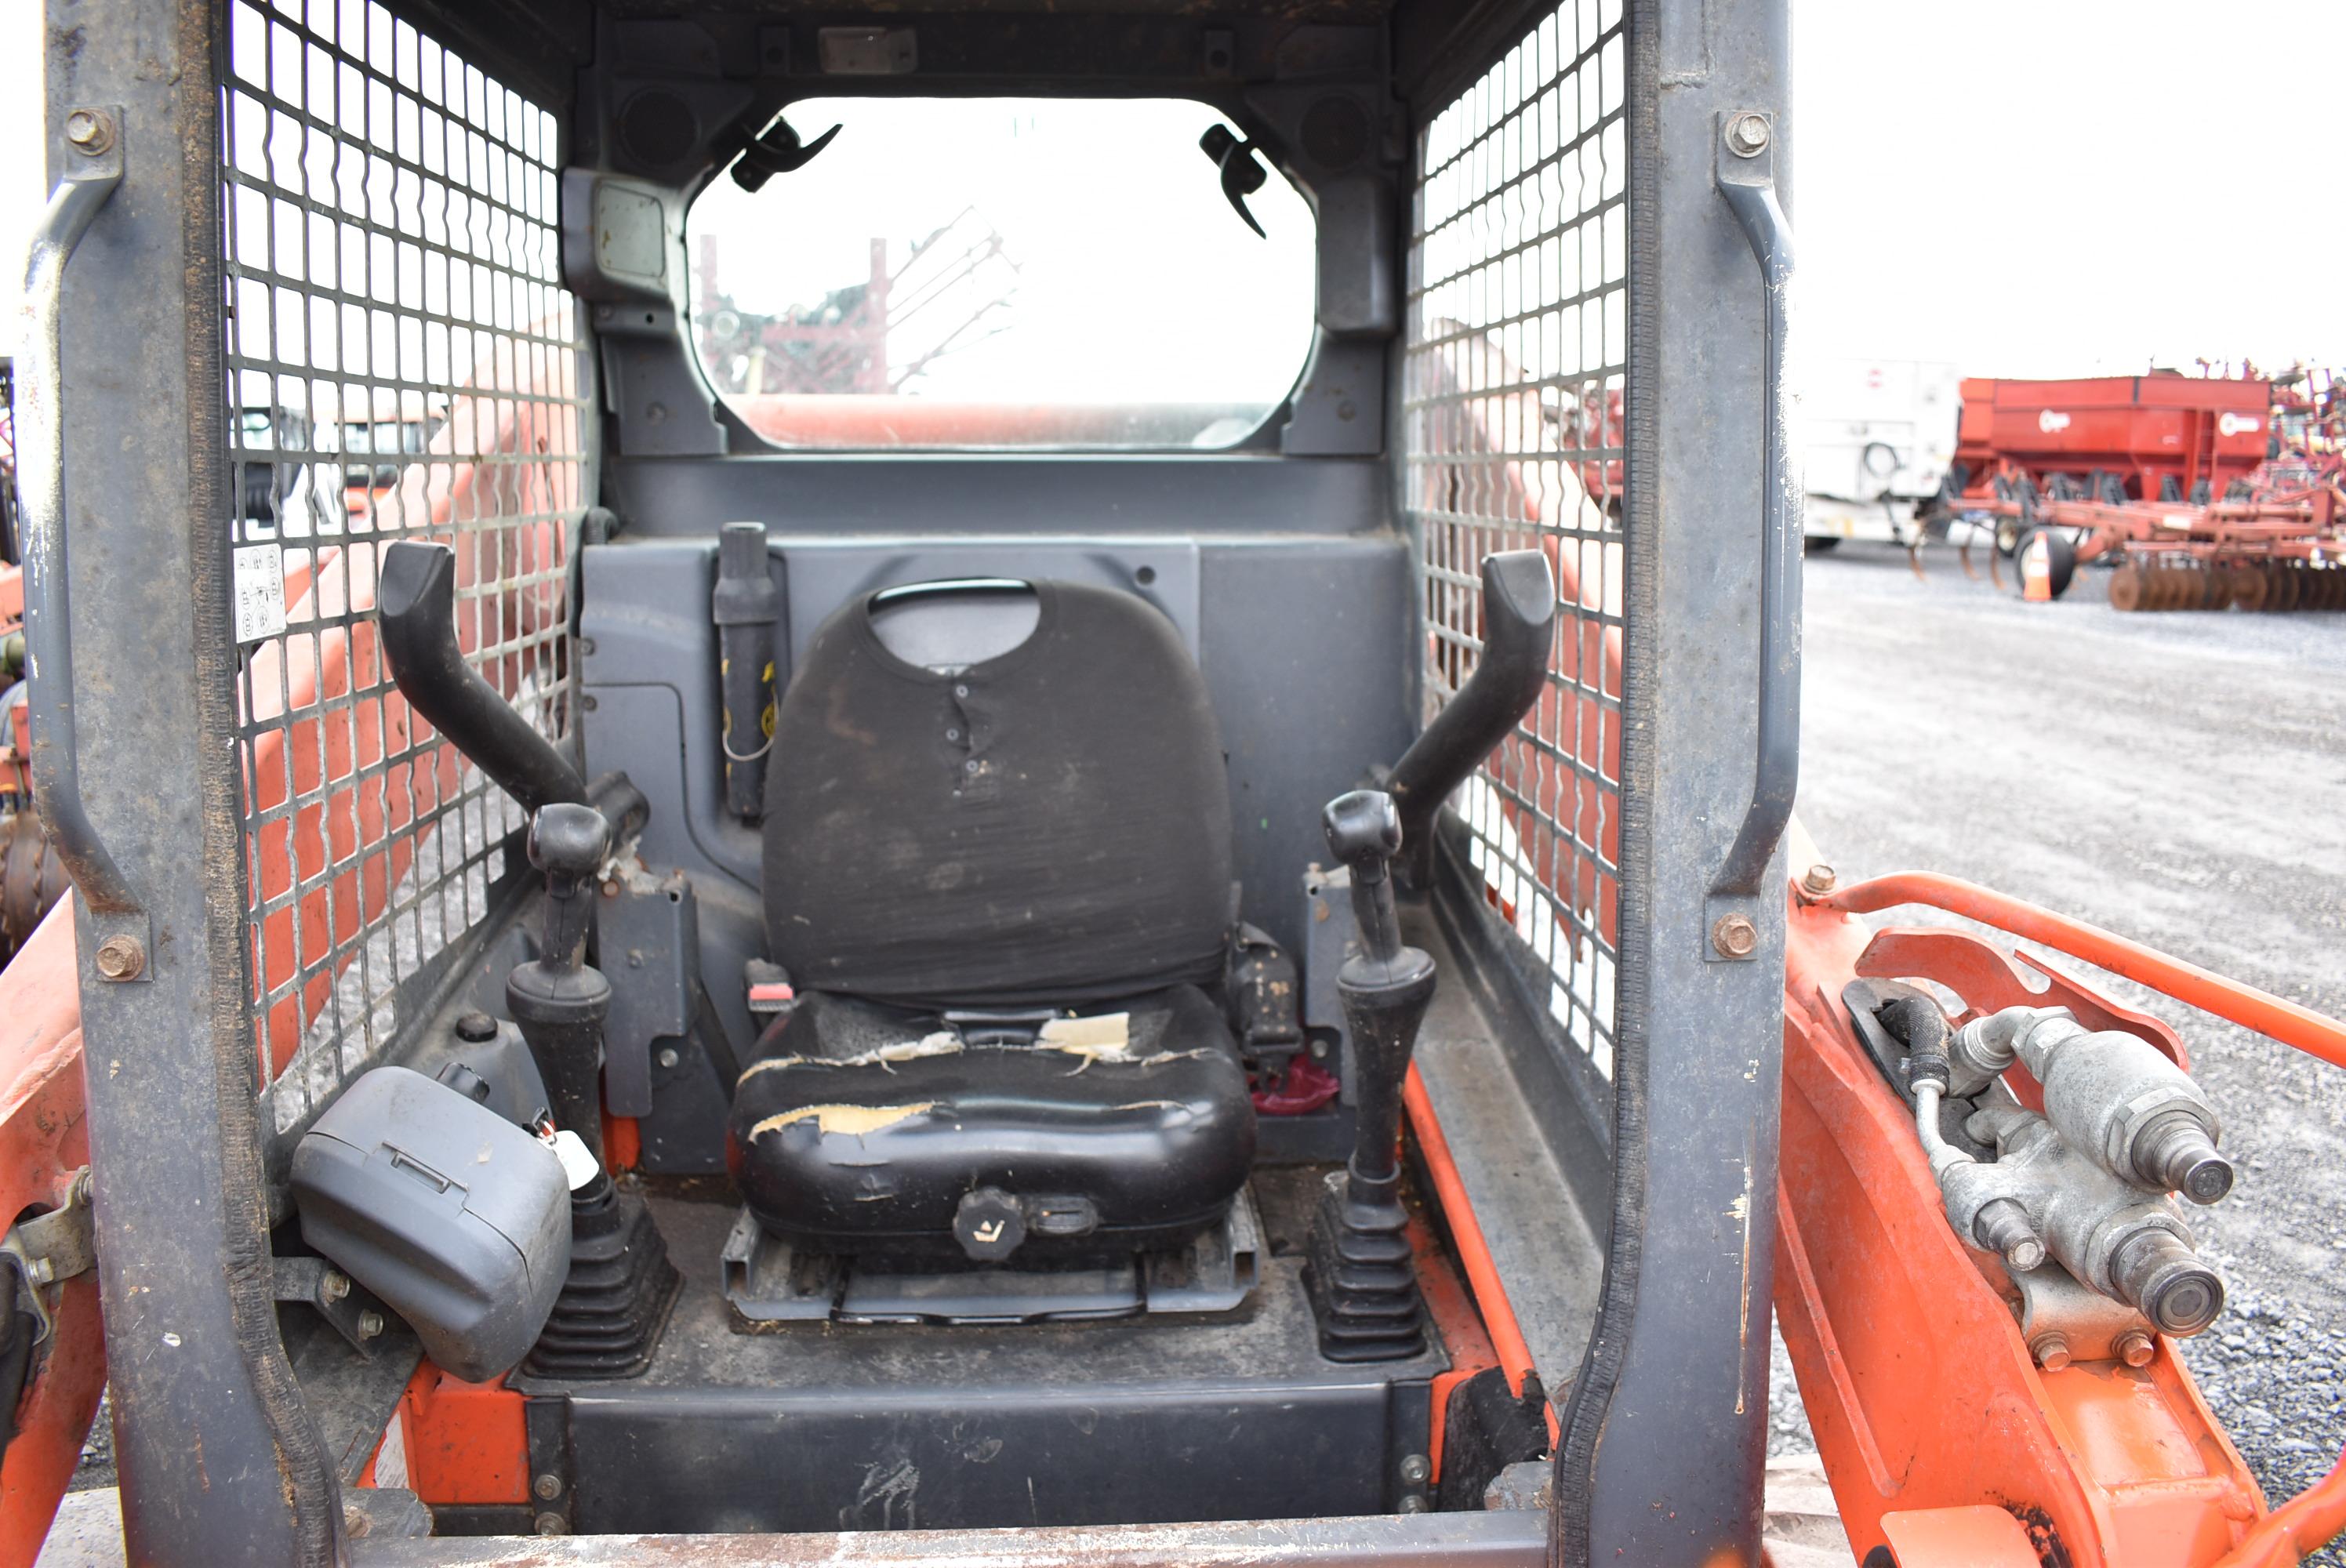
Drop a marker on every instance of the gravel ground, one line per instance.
(2178, 778)
(96, 1468)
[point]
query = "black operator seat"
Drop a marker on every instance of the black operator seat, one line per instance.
(997, 867)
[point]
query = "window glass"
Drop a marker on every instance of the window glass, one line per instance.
(1002, 272)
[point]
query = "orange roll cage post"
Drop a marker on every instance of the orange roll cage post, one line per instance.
(1924, 1399)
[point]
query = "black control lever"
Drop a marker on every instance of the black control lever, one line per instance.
(415, 616)
(559, 1000)
(621, 1284)
(1519, 609)
(1359, 1269)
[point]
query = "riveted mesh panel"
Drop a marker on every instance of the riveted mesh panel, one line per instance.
(1512, 439)
(403, 363)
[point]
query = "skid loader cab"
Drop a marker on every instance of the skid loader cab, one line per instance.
(821, 916)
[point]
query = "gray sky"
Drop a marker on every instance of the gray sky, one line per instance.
(20, 148)
(2043, 187)
(2024, 187)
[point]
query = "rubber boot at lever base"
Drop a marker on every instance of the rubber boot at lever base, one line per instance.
(619, 1291)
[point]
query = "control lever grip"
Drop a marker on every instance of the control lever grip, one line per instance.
(1364, 832)
(1519, 609)
(567, 843)
(416, 618)
(559, 1000)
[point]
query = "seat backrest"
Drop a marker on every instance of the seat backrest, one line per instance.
(1048, 826)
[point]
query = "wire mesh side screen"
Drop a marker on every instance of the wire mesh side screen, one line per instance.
(1512, 439)
(403, 363)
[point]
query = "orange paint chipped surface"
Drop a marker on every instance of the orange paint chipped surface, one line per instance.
(467, 1442)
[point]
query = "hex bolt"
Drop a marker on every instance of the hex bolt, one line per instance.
(1735, 936)
(1415, 1469)
(1748, 134)
(2050, 1350)
(121, 958)
(89, 131)
(370, 1325)
(548, 1487)
(335, 1286)
(1819, 880)
(2136, 1347)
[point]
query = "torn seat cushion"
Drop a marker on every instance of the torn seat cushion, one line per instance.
(865, 1126)
(1047, 827)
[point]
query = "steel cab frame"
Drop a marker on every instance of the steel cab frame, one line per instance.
(1550, 280)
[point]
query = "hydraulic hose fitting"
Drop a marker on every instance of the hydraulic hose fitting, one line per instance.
(1969, 1189)
(2002, 1227)
(2163, 1279)
(2042, 1201)
(1982, 1048)
(2179, 1154)
(2112, 1096)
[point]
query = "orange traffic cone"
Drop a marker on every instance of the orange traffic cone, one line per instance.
(2036, 570)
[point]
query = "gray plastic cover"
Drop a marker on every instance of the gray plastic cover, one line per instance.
(456, 1218)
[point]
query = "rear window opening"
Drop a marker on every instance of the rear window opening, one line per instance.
(1002, 272)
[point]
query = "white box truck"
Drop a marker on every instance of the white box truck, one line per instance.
(1874, 438)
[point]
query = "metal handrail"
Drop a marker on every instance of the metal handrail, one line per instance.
(1747, 178)
(86, 187)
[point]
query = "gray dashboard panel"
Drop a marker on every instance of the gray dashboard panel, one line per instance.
(957, 495)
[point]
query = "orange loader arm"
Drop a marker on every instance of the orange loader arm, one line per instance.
(44, 1143)
(1944, 1440)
